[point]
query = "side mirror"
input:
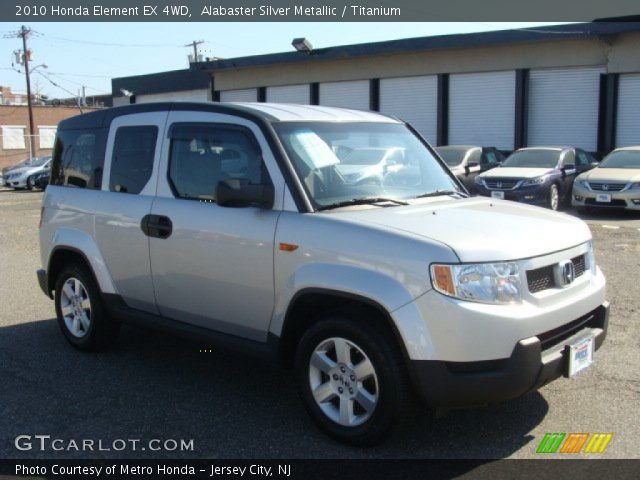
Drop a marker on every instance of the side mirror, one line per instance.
(469, 166)
(567, 167)
(240, 193)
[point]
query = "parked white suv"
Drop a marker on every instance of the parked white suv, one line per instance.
(233, 222)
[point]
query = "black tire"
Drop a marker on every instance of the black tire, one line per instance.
(102, 330)
(29, 183)
(393, 386)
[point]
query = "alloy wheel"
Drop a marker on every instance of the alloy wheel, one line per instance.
(554, 199)
(343, 381)
(75, 306)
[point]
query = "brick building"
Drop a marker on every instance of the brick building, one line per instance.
(14, 130)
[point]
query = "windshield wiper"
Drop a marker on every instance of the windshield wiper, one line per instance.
(438, 193)
(362, 201)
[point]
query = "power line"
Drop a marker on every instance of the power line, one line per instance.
(63, 89)
(106, 44)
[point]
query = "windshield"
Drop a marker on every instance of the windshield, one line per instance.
(533, 159)
(622, 159)
(451, 156)
(335, 161)
(38, 162)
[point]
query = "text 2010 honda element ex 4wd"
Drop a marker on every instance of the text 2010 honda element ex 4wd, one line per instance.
(335, 239)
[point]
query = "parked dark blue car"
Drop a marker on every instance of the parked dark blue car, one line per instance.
(539, 176)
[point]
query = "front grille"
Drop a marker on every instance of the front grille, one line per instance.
(540, 279)
(579, 265)
(607, 187)
(543, 279)
(612, 203)
(501, 183)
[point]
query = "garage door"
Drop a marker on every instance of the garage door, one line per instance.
(353, 94)
(628, 121)
(289, 94)
(244, 95)
(563, 107)
(414, 100)
(482, 109)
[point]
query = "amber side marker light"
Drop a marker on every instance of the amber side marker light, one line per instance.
(288, 247)
(443, 279)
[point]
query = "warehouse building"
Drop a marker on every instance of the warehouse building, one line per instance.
(576, 84)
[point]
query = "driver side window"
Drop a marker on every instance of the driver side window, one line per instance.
(569, 159)
(203, 155)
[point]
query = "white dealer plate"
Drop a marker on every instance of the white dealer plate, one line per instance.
(497, 195)
(603, 197)
(580, 355)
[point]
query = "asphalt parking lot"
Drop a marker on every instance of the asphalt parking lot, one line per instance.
(155, 386)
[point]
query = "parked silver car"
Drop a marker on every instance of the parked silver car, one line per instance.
(233, 224)
(23, 176)
(615, 183)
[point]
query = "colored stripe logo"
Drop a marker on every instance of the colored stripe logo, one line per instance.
(573, 443)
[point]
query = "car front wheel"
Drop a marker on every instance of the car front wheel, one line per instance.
(554, 197)
(351, 379)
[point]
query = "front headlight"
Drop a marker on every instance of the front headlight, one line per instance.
(479, 181)
(497, 283)
(535, 181)
(633, 186)
(584, 184)
(591, 259)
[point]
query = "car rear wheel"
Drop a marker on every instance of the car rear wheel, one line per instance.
(29, 183)
(554, 197)
(352, 380)
(81, 315)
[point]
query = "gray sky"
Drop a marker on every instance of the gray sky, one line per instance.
(90, 54)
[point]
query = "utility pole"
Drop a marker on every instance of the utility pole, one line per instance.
(24, 33)
(195, 44)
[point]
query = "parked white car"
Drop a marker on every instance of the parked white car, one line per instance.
(233, 224)
(615, 183)
(22, 177)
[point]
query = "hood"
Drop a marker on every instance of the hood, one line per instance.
(481, 229)
(515, 172)
(621, 175)
(18, 171)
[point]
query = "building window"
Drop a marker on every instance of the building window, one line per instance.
(47, 136)
(132, 161)
(13, 138)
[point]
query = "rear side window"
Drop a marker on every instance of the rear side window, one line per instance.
(78, 158)
(202, 155)
(132, 161)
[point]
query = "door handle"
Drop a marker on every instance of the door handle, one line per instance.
(157, 226)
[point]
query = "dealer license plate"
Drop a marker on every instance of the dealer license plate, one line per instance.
(580, 355)
(497, 195)
(603, 197)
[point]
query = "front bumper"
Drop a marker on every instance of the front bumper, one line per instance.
(15, 182)
(534, 362)
(624, 200)
(533, 195)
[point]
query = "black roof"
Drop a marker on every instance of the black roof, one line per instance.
(103, 118)
(482, 39)
(172, 81)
